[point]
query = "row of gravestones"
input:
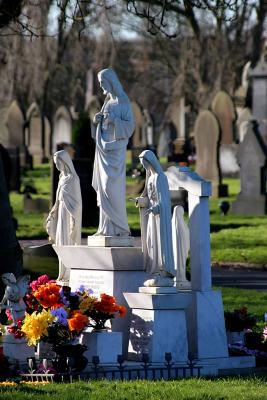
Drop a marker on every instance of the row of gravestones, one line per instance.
(216, 133)
(34, 132)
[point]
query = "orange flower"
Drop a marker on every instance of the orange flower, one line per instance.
(48, 295)
(107, 305)
(78, 321)
(122, 311)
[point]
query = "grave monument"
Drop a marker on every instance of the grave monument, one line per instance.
(223, 107)
(252, 158)
(207, 140)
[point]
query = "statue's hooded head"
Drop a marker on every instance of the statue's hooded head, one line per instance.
(113, 80)
(151, 159)
(66, 162)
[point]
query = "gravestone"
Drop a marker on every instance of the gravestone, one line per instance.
(259, 93)
(245, 115)
(207, 135)
(62, 127)
(149, 129)
(252, 158)
(35, 139)
(137, 142)
(223, 107)
(167, 136)
(47, 138)
(12, 130)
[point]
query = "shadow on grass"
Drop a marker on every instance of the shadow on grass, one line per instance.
(219, 227)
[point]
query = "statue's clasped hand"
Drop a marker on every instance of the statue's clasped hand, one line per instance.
(98, 117)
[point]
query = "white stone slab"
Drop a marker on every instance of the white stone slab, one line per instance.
(110, 241)
(113, 282)
(156, 332)
(206, 326)
(106, 345)
(16, 349)
(102, 258)
(158, 290)
(147, 301)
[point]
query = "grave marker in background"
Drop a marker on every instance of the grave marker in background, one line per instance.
(252, 158)
(224, 109)
(207, 135)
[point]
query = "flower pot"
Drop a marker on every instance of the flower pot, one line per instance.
(69, 357)
(235, 337)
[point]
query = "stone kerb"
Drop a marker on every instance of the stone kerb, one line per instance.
(199, 191)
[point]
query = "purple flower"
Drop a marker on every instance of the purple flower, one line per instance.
(61, 314)
(83, 288)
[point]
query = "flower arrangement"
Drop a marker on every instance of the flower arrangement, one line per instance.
(239, 320)
(56, 315)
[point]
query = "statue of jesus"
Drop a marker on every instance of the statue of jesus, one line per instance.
(115, 125)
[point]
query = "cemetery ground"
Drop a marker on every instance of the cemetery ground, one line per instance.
(192, 389)
(234, 239)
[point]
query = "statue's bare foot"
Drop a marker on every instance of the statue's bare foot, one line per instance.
(159, 281)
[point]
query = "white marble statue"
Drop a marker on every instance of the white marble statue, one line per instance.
(155, 211)
(14, 293)
(64, 221)
(181, 246)
(115, 125)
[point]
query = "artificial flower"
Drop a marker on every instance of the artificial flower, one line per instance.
(35, 326)
(48, 294)
(78, 321)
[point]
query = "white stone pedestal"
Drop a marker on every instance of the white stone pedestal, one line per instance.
(110, 270)
(110, 241)
(206, 326)
(158, 326)
(106, 345)
(16, 349)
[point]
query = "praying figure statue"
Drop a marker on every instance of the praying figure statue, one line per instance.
(64, 222)
(13, 297)
(181, 246)
(115, 125)
(155, 212)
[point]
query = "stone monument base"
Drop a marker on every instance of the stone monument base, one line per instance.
(110, 270)
(249, 205)
(106, 345)
(16, 349)
(158, 326)
(206, 326)
(110, 241)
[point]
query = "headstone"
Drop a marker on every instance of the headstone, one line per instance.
(259, 93)
(15, 178)
(138, 140)
(207, 135)
(176, 117)
(224, 109)
(47, 139)
(245, 115)
(252, 158)
(62, 127)
(91, 87)
(35, 133)
(12, 130)
(149, 129)
(168, 135)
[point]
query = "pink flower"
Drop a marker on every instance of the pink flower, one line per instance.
(42, 280)
(9, 315)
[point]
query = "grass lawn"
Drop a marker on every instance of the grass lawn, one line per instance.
(191, 389)
(233, 238)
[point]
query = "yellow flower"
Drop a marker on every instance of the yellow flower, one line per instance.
(35, 326)
(87, 304)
